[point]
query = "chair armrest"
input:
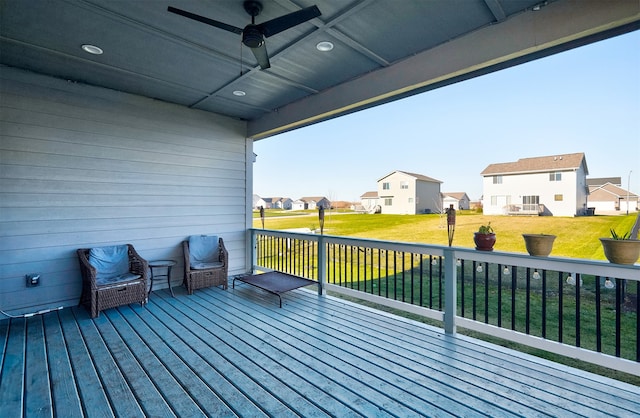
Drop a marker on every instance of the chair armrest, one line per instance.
(138, 265)
(224, 254)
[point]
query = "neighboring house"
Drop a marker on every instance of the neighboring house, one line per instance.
(369, 201)
(265, 202)
(273, 202)
(408, 194)
(609, 197)
(281, 203)
(552, 185)
(459, 200)
(311, 203)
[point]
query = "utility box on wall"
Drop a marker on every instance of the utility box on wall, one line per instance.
(33, 280)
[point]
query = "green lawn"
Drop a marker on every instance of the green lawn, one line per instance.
(576, 237)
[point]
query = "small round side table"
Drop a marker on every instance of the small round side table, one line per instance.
(160, 264)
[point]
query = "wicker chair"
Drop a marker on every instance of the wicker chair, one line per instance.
(207, 265)
(108, 287)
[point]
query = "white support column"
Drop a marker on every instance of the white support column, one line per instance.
(450, 302)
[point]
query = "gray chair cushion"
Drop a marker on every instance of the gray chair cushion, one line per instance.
(205, 266)
(117, 279)
(203, 249)
(110, 262)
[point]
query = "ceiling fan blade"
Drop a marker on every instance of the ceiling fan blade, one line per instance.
(282, 23)
(261, 56)
(206, 20)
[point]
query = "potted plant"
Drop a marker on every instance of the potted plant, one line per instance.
(621, 249)
(485, 238)
(538, 245)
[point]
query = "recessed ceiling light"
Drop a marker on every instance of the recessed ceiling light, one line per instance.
(324, 46)
(239, 93)
(92, 49)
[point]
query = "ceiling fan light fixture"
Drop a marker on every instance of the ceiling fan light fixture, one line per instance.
(92, 49)
(239, 93)
(324, 46)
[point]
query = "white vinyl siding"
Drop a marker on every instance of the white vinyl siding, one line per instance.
(84, 166)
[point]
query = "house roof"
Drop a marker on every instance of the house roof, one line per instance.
(559, 162)
(456, 195)
(416, 176)
(609, 191)
(312, 198)
(604, 180)
(369, 195)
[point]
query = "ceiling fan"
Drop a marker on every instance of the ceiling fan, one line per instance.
(253, 35)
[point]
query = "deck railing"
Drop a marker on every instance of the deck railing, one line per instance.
(579, 308)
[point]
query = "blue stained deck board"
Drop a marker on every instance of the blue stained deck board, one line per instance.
(12, 388)
(143, 389)
(38, 395)
(349, 384)
(265, 370)
(249, 394)
(63, 385)
(171, 390)
(234, 353)
(93, 397)
(160, 341)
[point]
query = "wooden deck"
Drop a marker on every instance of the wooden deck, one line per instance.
(235, 353)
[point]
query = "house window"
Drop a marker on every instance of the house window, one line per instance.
(557, 176)
(494, 200)
(530, 203)
(497, 179)
(411, 200)
(386, 186)
(388, 202)
(558, 198)
(404, 185)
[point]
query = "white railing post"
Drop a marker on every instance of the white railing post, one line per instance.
(450, 303)
(322, 263)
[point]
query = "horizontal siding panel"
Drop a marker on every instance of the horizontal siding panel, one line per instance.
(12, 172)
(33, 159)
(113, 201)
(83, 166)
(152, 154)
(126, 188)
(16, 229)
(17, 214)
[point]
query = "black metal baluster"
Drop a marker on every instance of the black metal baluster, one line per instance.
(577, 285)
(386, 273)
(475, 290)
(440, 287)
(560, 307)
(462, 301)
(421, 279)
(598, 317)
(486, 293)
(403, 276)
(514, 285)
(499, 296)
(544, 303)
(430, 281)
(527, 314)
(619, 299)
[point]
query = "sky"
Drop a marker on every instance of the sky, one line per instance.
(583, 100)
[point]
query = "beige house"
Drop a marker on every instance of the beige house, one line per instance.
(610, 198)
(550, 185)
(405, 193)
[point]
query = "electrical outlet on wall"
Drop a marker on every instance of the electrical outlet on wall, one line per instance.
(33, 279)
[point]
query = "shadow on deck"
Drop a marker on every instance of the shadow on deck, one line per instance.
(235, 353)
